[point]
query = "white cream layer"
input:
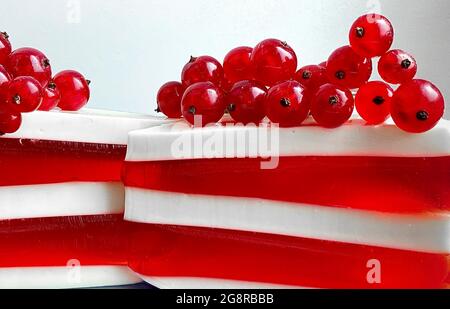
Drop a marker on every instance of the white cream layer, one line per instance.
(178, 140)
(65, 277)
(208, 283)
(61, 199)
(424, 232)
(87, 125)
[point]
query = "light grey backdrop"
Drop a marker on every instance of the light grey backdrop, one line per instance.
(128, 48)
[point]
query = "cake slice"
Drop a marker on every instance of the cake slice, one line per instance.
(62, 200)
(305, 206)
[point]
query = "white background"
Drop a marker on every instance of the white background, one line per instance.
(128, 48)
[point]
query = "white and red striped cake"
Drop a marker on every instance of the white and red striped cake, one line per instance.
(354, 207)
(62, 201)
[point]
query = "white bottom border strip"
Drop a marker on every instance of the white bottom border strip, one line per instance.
(60, 277)
(208, 283)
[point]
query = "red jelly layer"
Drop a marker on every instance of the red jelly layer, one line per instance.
(92, 240)
(372, 183)
(173, 251)
(29, 161)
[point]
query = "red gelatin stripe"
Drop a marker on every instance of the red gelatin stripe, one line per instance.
(174, 251)
(92, 240)
(29, 161)
(399, 185)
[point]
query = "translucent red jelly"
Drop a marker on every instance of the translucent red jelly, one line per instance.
(386, 184)
(30, 161)
(214, 253)
(92, 240)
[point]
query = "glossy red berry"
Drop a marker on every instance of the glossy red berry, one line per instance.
(347, 69)
(30, 62)
(371, 35)
(5, 78)
(397, 66)
(332, 106)
(24, 94)
(246, 102)
(202, 69)
(10, 120)
(169, 99)
(273, 62)
(203, 99)
(236, 65)
(50, 97)
(312, 77)
(417, 106)
(373, 101)
(74, 89)
(287, 104)
(5, 47)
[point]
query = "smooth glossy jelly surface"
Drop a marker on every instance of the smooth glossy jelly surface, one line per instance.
(29, 161)
(174, 251)
(398, 185)
(92, 240)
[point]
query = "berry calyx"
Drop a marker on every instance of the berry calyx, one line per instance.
(332, 106)
(287, 104)
(397, 67)
(10, 120)
(50, 97)
(312, 77)
(202, 69)
(246, 102)
(237, 66)
(203, 103)
(347, 69)
(30, 62)
(5, 78)
(24, 94)
(5, 47)
(273, 61)
(373, 102)
(169, 99)
(417, 106)
(74, 90)
(371, 35)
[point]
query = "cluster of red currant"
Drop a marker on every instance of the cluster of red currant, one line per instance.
(263, 81)
(26, 84)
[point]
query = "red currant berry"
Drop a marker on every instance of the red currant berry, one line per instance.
(347, 69)
(332, 106)
(373, 101)
(10, 120)
(371, 35)
(312, 77)
(202, 69)
(246, 102)
(24, 94)
(74, 89)
(273, 61)
(203, 99)
(5, 78)
(30, 62)
(417, 106)
(5, 47)
(397, 67)
(236, 65)
(169, 99)
(50, 98)
(287, 104)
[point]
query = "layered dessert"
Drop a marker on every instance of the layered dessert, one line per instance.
(62, 200)
(243, 206)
